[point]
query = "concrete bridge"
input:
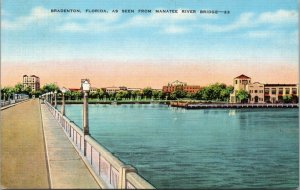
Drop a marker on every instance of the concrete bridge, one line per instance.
(41, 148)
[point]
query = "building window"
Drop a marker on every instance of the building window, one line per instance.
(255, 91)
(294, 90)
(273, 90)
(280, 91)
(287, 91)
(267, 90)
(236, 81)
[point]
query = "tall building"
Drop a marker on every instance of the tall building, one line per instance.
(31, 81)
(239, 83)
(177, 85)
(263, 93)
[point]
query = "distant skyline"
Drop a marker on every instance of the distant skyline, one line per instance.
(258, 39)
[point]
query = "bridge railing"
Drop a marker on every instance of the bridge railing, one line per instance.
(110, 171)
(12, 101)
(5, 103)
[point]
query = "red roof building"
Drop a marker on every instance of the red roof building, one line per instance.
(242, 76)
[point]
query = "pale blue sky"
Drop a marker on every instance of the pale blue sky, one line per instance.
(256, 29)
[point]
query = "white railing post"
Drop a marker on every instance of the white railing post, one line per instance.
(124, 170)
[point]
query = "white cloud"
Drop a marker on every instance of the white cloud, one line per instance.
(71, 27)
(38, 15)
(243, 21)
(278, 17)
(175, 30)
(166, 23)
(261, 34)
(279, 38)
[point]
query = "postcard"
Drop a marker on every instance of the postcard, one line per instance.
(136, 94)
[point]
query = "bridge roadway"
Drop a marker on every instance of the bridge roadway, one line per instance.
(36, 153)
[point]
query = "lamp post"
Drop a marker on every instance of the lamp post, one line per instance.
(85, 124)
(51, 98)
(63, 90)
(55, 101)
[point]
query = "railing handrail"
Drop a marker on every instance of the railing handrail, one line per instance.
(116, 163)
(137, 181)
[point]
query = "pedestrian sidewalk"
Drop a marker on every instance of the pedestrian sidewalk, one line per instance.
(66, 167)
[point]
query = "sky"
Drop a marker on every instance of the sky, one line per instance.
(258, 38)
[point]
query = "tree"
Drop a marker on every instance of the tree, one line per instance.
(242, 95)
(36, 93)
(27, 90)
(7, 92)
(147, 92)
(68, 95)
(157, 94)
(49, 88)
(76, 95)
(287, 99)
(178, 94)
(121, 94)
(134, 93)
(93, 95)
(217, 91)
(225, 93)
(19, 88)
(100, 93)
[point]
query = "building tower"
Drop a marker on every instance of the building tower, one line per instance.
(239, 83)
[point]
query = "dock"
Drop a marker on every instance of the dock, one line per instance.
(228, 106)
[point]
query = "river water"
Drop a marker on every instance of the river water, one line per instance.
(213, 148)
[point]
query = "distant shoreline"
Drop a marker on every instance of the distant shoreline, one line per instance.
(191, 105)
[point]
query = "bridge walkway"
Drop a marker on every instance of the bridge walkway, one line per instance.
(35, 153)
(66, 167)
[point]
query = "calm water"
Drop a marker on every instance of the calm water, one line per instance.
(177, 148)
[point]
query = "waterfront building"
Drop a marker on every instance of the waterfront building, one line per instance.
(263, 93)
(93, 89)
(275, 92)
(74, 89)
(31, 81)
(124, 88)
(256, 91)
(111, 90)
(177, 85)
(134, 89)
(239, 83)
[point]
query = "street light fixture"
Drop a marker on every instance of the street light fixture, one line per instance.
(51, 98)
(86, 86)
(63, 90)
